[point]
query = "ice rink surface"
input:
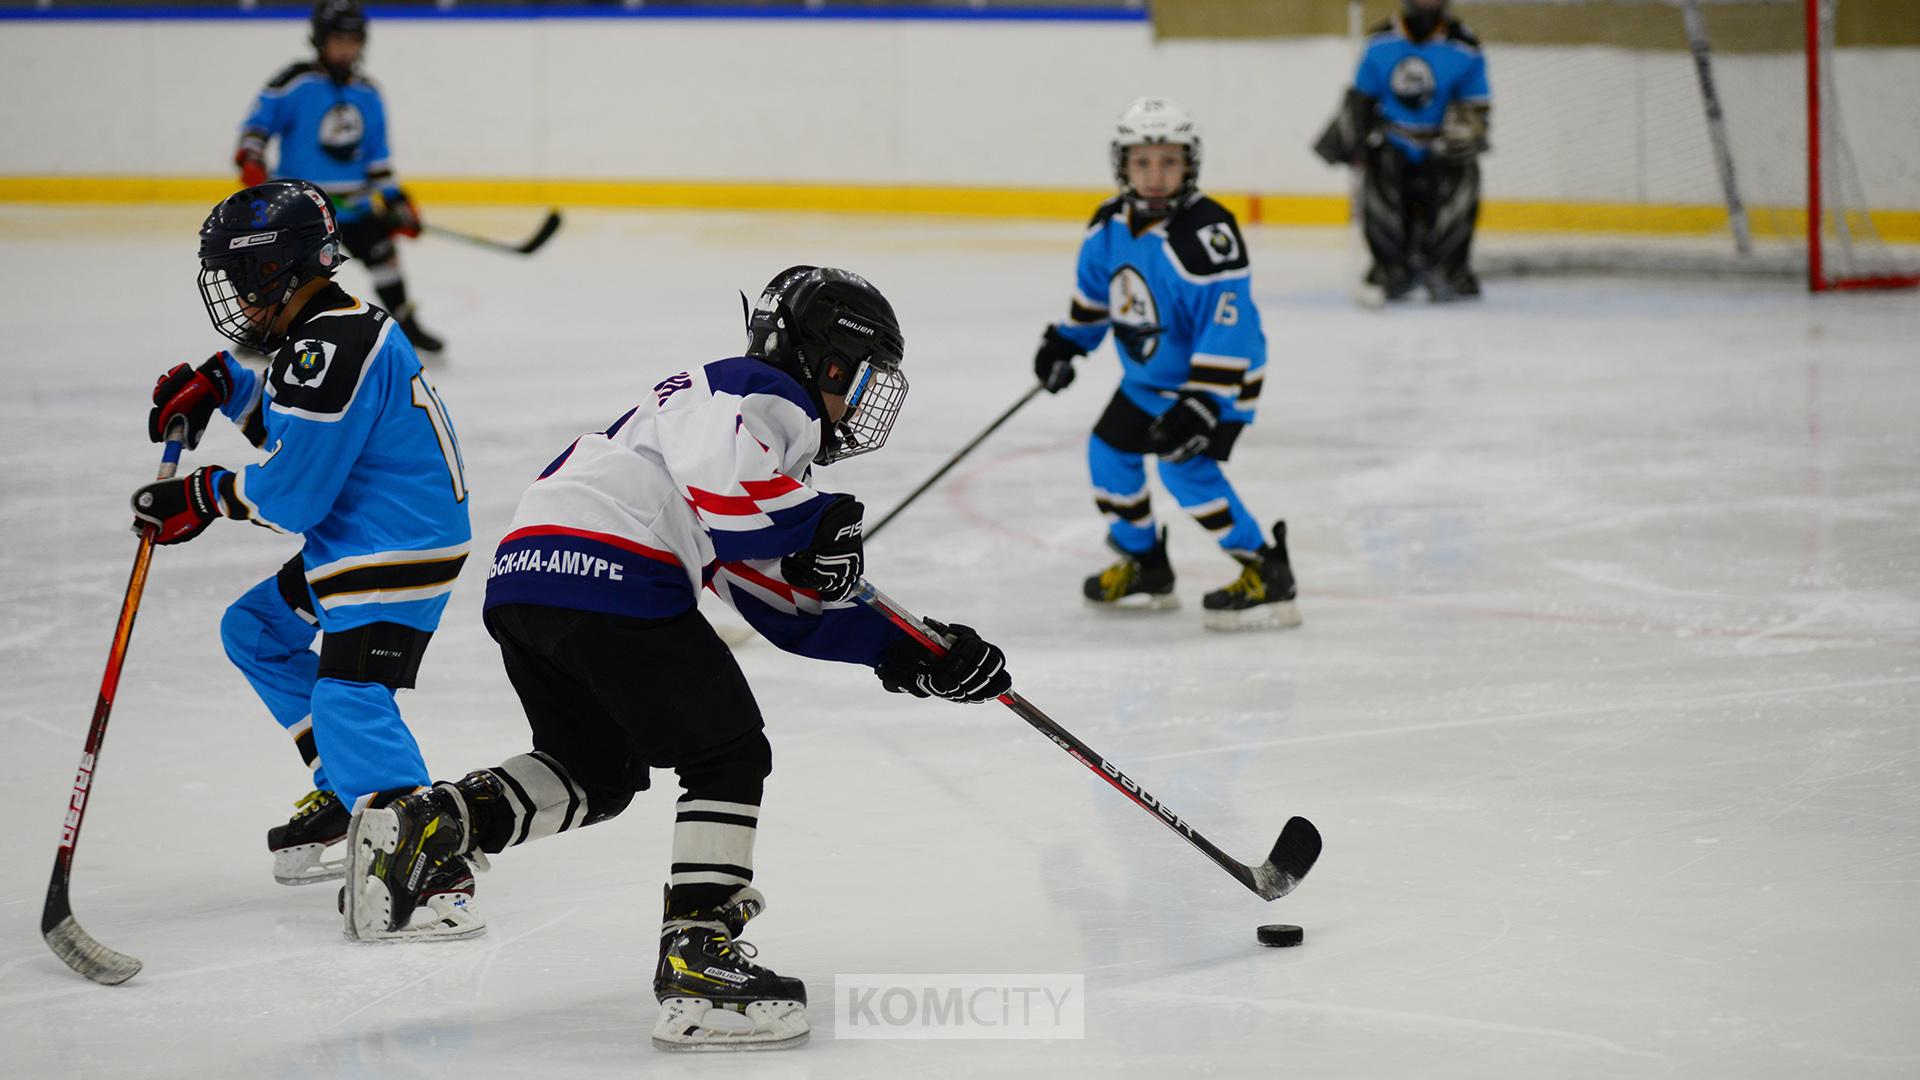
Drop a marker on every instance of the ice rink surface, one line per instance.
(1605, 700)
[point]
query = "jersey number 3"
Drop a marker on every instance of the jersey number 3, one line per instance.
(424, 397)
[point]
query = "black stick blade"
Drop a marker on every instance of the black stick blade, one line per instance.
(547, 229)
(77, 949)
(1293, 855)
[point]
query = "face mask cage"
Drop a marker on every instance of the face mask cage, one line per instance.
(245, 322)
(874, 397)
(1141, 204)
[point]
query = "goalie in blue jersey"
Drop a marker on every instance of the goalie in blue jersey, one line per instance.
(1165, 268)
(362, 463)
(1415, 120)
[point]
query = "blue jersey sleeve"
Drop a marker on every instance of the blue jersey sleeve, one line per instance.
(1086, 323)
(1474, 89)
(309, 454)
(1229, 345)
(1369, 79)
(378, 157)
(243, 407)
(267, 117)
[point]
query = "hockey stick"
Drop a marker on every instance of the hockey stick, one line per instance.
(525, 247)
(64, 935)
(1292, 855)
(955, 460)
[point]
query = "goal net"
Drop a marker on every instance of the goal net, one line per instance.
(1762, 137)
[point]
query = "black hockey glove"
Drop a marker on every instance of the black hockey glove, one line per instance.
(191, 396)
(1053, 364)
(181, 509)
(971, 671)
(831, 566)
(1186, 429)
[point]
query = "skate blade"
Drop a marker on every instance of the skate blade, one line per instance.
(440, 918)
(305, 864)
(1138, 603)
(1277, 616)
(369, 906)
(696, 1025)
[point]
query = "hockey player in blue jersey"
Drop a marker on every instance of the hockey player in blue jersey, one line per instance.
(361, 461)
(1166, 269)
(707, 482)
(1416, 120)
(332, 129)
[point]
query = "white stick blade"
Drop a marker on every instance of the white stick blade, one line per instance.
(77, 949)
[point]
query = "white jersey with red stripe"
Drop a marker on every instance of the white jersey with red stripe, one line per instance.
(704, 482)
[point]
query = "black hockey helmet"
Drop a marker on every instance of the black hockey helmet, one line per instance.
(833, 331)
(337, 17)
(257, 248)
(1422, 17)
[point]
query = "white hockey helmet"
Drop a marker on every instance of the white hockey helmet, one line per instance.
(1149, 121)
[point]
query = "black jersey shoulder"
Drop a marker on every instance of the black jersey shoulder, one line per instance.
(1458, 33)
(1106, 211)
(324, 361)
(1206, 238)
(291, 72)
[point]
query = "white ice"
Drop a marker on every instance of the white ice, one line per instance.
(1605, 700)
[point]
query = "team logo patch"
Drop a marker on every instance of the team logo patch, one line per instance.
(341, 130)
(309, 363)
(1135, 315)
(1222, 245)
(1412, 82)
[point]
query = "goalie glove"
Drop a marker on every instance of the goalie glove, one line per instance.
(973, 670)
(1463, 133)
(1350, 132)
(1186, 430)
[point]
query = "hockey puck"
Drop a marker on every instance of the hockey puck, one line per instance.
(1280, 935)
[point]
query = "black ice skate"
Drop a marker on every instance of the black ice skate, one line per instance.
(406, 853)
(423, 339)
(712, 995)
(1138, 582)
(301, 854)
(1261, 598)
(1384, 286)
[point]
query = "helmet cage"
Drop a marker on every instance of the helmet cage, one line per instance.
(249, 271)
(806, 325)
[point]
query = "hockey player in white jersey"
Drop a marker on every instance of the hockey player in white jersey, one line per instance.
(591, 597)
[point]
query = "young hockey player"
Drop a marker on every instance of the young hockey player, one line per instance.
(362, 462)
(1166, 268)
(591, 598)
(332, 127)
(1416, 121)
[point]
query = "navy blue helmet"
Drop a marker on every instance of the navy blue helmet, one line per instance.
(257, 248)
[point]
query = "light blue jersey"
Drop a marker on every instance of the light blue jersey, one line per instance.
(1414, 82)
(362, 460)
(332, 134)
(1178, 297)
